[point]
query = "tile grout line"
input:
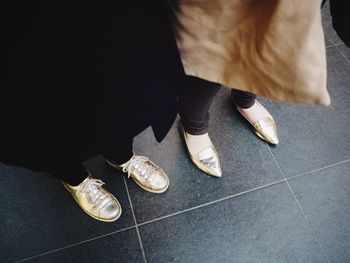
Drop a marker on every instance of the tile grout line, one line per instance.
(75, 244)
(329, 38)
(212, 202)
(185, 210)
(336, 46)
(135, 221)
(339, 44)
(318, 170)
(333, 44)
(308, 221)
(300, 207)
(342, 54)
(153, 220)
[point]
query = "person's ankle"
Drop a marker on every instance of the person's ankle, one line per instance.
(255, 113)
(197, 143)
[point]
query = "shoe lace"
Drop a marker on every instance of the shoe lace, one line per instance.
(92, 188)
(139, 163)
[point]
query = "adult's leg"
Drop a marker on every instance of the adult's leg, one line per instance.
(118, 149)
(194, 103)
(243, 99)
(70, 172)
(256, 114)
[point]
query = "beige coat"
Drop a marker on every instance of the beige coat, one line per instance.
(273, 48)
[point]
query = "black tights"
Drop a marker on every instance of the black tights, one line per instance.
(195, 101)
(194, 104)
(73, 172)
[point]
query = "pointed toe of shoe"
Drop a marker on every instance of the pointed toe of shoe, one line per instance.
(208, 161)
(266, 129)
(216, 172)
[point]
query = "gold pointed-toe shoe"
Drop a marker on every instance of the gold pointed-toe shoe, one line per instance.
(265, 129)
(207, 160)
(96, 201)
(145, 173)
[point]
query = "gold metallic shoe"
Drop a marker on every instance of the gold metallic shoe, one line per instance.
(145, 173)
(265, 129)
(207, 160)
(96, 201)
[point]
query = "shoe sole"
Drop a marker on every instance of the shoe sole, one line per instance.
(140, 185)
(97, 218)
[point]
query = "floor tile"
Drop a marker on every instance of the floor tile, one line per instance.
(345, 51)
(325, 199)
(120, 247)
(263, 226)
(246, 163)
(312, 136)
(328, 42)
(37, 214)
(328, 27)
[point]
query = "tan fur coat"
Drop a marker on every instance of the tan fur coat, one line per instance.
(273, 48)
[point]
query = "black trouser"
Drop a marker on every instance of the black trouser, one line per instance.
(195, 101)
(73, 172)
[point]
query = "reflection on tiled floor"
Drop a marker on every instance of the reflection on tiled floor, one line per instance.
(288, 203)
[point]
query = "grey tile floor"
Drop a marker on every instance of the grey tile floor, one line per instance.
(289, 203)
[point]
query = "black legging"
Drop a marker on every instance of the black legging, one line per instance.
(195, 101)
(73, 172)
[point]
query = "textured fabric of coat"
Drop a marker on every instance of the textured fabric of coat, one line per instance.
(79, 73)
(273, 48)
